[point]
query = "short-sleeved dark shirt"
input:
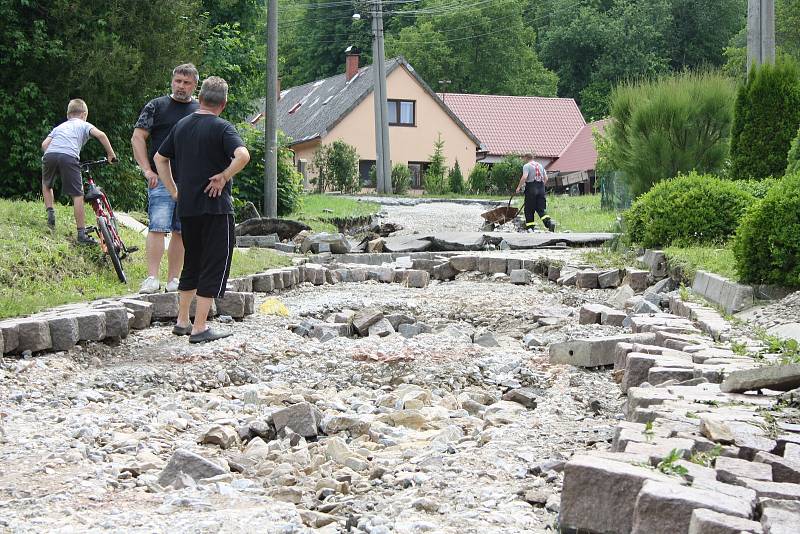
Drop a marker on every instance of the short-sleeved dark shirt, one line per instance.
(202, 145)
(159, 116)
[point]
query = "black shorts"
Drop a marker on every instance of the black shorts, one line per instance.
(67, 167)
(208, 241)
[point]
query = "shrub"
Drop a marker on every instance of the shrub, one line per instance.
(435, 176)
(765, 121)
(793, 164)
(456, 179)
(337, 167)
(479, 179)
(373, 177)
(693, 208)
(401, 179)
(757, 188)
(767, 243)
(504, 176)
(673, 125)
(248, 185)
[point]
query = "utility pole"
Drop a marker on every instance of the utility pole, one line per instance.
(383, 163)
(760, 32)
(270, 114)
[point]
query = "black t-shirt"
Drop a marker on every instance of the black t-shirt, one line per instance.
(158, 117)
(202, 145)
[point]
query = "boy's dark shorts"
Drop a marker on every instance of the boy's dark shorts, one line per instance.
(68, 168)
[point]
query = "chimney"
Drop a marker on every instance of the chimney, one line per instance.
(351, 65)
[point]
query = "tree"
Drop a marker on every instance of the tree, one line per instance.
(673, 125)
(456, 179)
(765, 120)
(435, 182)
(337, 167)
(115, 55)
(461, 44)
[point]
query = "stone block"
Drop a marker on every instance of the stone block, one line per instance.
(656, 261)
(610, 278)
(359, 274)
(731, 296)
(599, 495)
(303, 418)
(242, 284)
(444, 271)
(641, 398)
(321, 330)
(263, 282)
(142, 312)
(9, 332)
(117, 320)
(659, 375)
(165, 305)
(657, 449)
(612, 317)
(663, 286)
(261, 241)
(464, 263)
(382, 328)
(189, 463)
(64, 333)
(637, 279)
(567, 278)
(489, 265)
(772, 490)
(520, 277)
(365, 318)
(34, 335)
(592, 313)
(236, 305)
(776, 377)
(288, 278)
(783, 469)
(705, 521)
(422, 264)
(396, 319)
(587, 280)
(593, 352)
(512, 264)
(780, 516)
(418, 279)
(91, 325)
(553, 272)
(730, 470)
(411, 330)
(666, 508)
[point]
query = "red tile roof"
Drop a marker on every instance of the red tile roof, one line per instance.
(518, 124)
(581, 154)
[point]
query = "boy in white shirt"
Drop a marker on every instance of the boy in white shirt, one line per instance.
(62, 150)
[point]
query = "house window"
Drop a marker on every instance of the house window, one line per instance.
(402, 112)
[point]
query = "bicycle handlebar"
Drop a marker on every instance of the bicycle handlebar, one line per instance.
(86, 164)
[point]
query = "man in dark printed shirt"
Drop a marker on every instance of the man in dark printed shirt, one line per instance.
(155, 122)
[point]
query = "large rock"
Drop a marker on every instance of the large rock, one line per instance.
(464, 263)
(9, 332)
(406, 243)
(610, 278)
(303, 418)
(592, 313)
(620, 297)
(587, 280)
(776, 377)
(656, 261)
(666, 507)
(599, 495)
(34, 335)
(705, 521)
(637, 279)
(236, 305)
(365, 318)
(189, 463)
(335, 243)
(382, 328)
(779, 516)
(457, 241)
(417, 278)
(64, 332)
(285, 228)
(593, 352)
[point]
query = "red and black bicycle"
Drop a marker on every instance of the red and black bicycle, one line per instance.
(107, 228)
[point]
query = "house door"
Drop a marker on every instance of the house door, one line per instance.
(417, 173)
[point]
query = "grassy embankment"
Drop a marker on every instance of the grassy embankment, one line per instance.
(317, 210)
(39, 270)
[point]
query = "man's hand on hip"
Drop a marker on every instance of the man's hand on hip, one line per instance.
(215, 185)
(152, 179)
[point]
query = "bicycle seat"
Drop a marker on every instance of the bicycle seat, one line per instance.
(94, 193)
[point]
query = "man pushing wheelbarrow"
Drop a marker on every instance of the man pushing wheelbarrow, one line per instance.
(533, 179)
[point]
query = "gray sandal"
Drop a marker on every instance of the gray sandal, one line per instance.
(182, 330)
(209, 334)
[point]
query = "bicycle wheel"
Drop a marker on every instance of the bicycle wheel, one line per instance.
(111, 249)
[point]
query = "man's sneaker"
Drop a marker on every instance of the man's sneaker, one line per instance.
(172, 285)
(84, 239)
(51, 219)
(150, 285)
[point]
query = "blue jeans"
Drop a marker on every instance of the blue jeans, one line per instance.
(162, 210)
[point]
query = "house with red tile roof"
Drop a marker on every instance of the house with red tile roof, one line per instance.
(518, 124)
(577, 163)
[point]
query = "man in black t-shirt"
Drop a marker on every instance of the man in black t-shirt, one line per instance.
(207, 152)
(155, 122)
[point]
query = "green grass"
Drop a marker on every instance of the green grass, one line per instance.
(716, 259)
(581, 214)
(314, 212)
(39, 270)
